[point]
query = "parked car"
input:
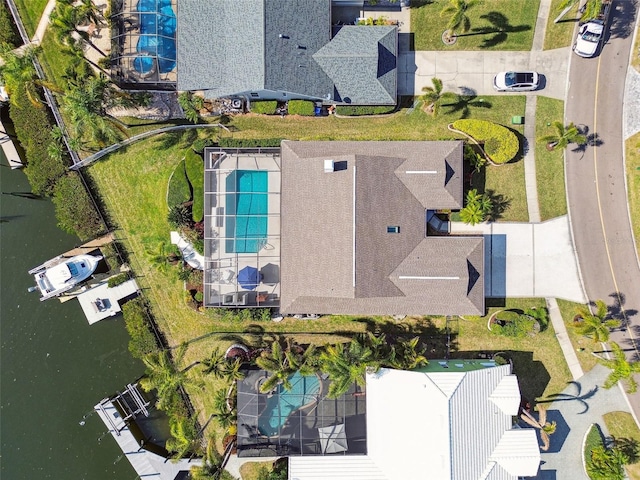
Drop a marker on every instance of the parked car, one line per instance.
(516, 81)
(588, 40)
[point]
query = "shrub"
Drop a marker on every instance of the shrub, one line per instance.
(195, 173)
(141, 342)
(249, 142)
(198, 297)
(501, 144)
(179, 190)
(117, 280)
(191, 105)
(267, 107)
(301, 107)
(179, 216)
(200, 144)
(75, 210)
(513, 323)
(353, 110)
(7, 29)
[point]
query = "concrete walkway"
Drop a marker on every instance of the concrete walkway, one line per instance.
(43, 23)
(563, 339)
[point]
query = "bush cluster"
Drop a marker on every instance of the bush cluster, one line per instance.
(266, 107)
(117, 280)
(500, 143)
(179, 190)
(249, 142)
(354, 110)
(301, 107)
(194, 166)
(8, 32)
(75, 210)
(514, 323)
(142, 341)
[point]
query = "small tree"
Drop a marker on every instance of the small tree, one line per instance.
(434, 96)
(458, 18)
(477, 207)
(621, 369)
(595, 325)
(191, 105)
(563, 136)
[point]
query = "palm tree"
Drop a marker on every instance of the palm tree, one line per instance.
(546, 428)
(65, 20)
(281, 363)
(223, 414)
(407, 356)
(458, 19)
(621, 369)
(346, 364)
(162, 256)
(477, 207)
(563, 136)
(434, 96)
(19, 74)
(595, 325)
(220, 367)
(211, 463)
(184, 436)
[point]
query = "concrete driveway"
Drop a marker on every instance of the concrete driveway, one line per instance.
(528, 259)
(475, 70)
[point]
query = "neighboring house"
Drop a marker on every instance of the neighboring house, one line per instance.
(354, 230)
(451, 421)
(282, 50)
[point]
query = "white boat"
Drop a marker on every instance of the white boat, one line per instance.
(60, 274)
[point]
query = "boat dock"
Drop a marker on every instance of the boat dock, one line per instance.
(90, 245)
(9, 148)
(100, 302)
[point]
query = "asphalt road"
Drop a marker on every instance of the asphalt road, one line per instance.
(596, 180)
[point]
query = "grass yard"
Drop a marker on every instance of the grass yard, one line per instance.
(560, 34)
(552, 197)
(583, 346)
(495, 25)
(30, 13)
(635, 54)
(55, 60)
(594, 439)
(632, 146)
(622, 425)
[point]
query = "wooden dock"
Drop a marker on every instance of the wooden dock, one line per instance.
(9, 148)
(90, 245)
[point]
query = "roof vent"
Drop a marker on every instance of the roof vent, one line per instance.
(329, 166)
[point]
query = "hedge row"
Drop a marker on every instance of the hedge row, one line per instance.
(117, 280)
(142, 341)
(194, 166)
(500, 143)
(354, 110)
(301, 107)
(249, 142)
(267, 107)
(179, 190)
(75, 211)
(8, 32)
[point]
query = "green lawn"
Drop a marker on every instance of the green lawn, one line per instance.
(583, 346)
(30, 13)
(55, 60)
(632, 146)
(560, 34)
(622, 425)
(495, 25)
(549, 165)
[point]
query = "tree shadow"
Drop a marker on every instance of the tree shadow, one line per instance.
(499, 28)
(465, 101)
(617, 310)
(182, 138)
(499, 204)
(623, 18)
(577, 397)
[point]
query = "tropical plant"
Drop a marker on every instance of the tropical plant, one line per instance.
(163, 255)
(563, 136)
(211, 463)
(545, 428)
(475, 159)
(224, 416)
(477, 207)
(500, 143)
(347, 364)
(458, 18)
(179, 216)
(621, 369)
(19, 74)
(281, 363)
(595, 325)
(67, 22)
(607, 463)
(407, 355)
(220, 367)
(434, 96)
(590, 10)
(184, 436)
(191, 105)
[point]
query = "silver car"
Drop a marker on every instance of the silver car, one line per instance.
(516, 81)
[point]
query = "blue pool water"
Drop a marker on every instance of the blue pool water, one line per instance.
(285, 402)
(157, 36)
(246, 219)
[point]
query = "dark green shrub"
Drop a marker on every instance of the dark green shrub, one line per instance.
(179, 216)
(513, 323)
(117, 280)
(200, 144)
(75, 210)
(353, 110)
(191, 105)
(301, 107)
(266, 107)
(142, 341)
(110, 255)
(249, 142)
(501, 144)
(179, 190)
(194, 166)
(8, 32)
(198, 297)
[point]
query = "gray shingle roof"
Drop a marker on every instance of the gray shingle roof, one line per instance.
(361, 61)
(228, 47)
(337, 256)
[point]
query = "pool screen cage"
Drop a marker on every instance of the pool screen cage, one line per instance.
(279, 423)
(242, 227)
(143, 43)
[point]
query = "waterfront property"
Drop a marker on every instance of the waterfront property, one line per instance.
(339, 227)
(450, 420)
(285, 49)
(61, 274)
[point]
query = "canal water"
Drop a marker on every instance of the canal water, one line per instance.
(53, 366)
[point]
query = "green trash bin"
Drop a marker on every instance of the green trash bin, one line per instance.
(517, 120)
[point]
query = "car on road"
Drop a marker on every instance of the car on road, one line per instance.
(589, 37)
(516, 81)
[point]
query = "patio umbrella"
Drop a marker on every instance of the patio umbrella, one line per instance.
(333, 439)
(249, 277)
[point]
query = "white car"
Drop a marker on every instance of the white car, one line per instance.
(589, 36)
(516, 81)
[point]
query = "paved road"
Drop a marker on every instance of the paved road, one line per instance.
(596, 180)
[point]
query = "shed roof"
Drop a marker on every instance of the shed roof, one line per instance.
(336, 253)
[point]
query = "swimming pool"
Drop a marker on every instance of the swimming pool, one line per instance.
(246, 221)
(157, 38)
(284, 402)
